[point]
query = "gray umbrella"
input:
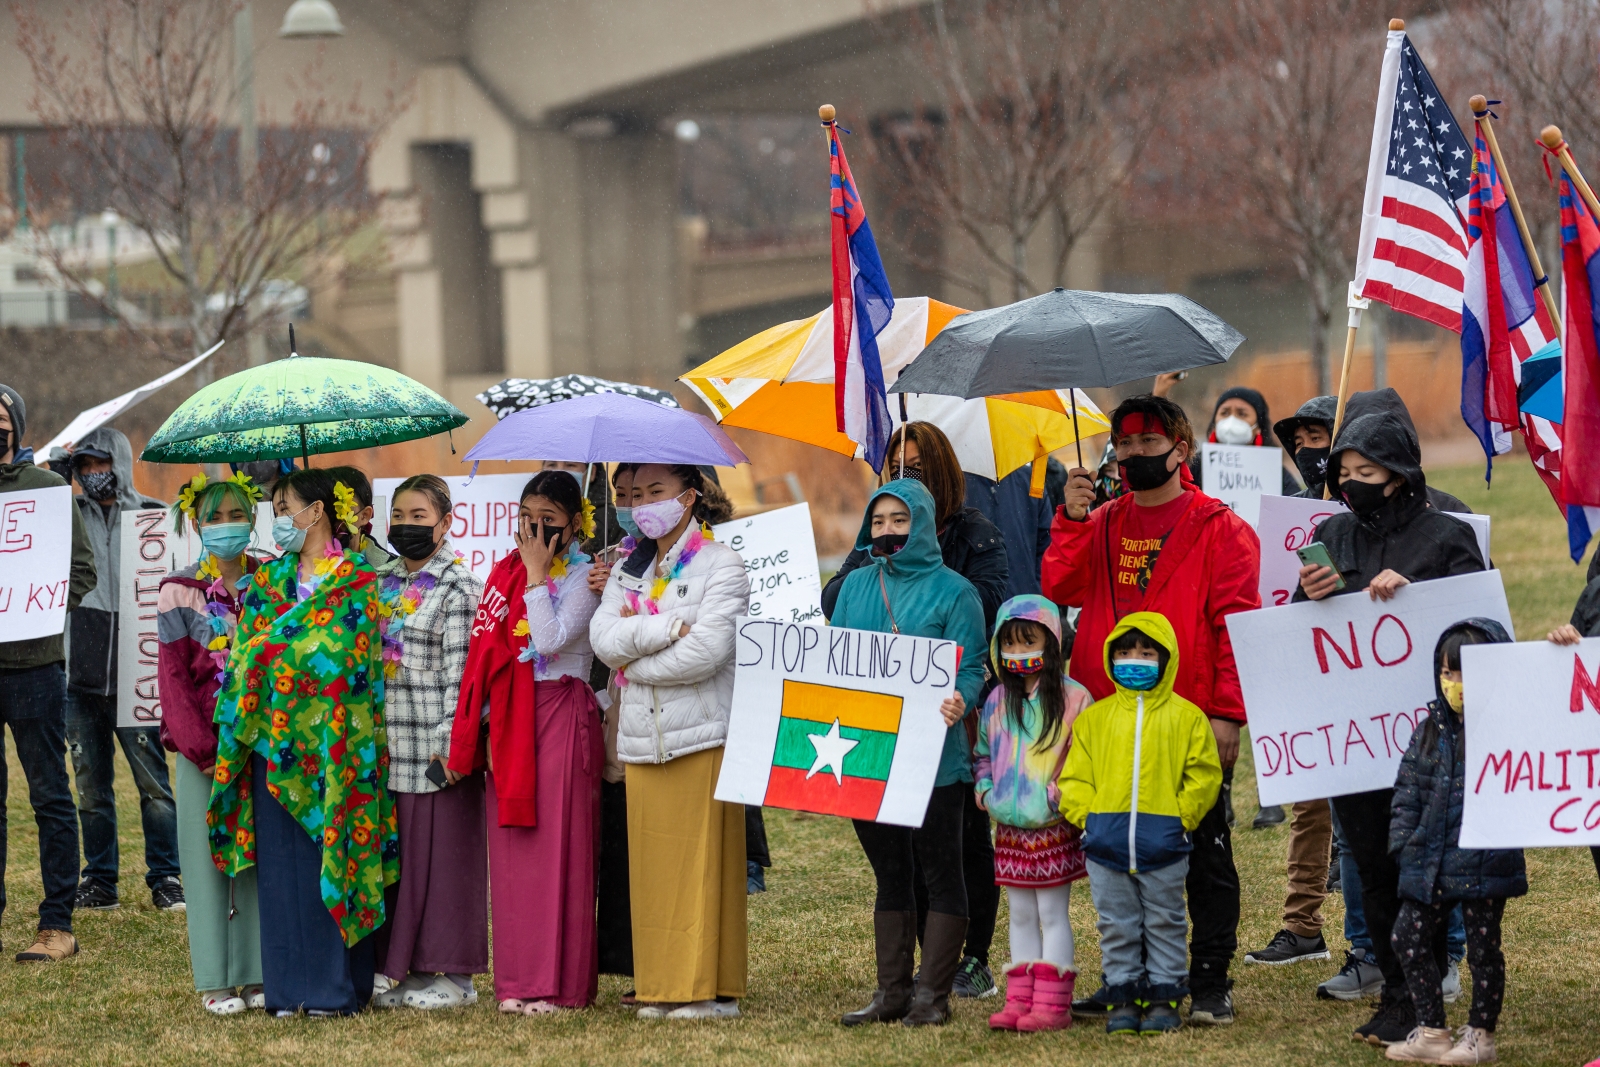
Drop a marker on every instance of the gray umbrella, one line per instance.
(518, 394)
(1068, 340)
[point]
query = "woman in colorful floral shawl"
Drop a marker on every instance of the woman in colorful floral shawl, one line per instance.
(302, 757)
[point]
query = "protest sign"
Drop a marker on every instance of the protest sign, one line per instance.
(101, 414)
(1533, 738)
(839, 722)
(780, 558)
(151, 550)
(1289, 523)
(1240, 475)
(484, 516)
(35, 562)
(1333, 688)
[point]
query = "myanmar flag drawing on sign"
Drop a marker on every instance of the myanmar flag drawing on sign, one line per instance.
(835, 748)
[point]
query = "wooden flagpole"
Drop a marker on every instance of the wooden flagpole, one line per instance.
(1541, 282)
(1349, 358)
(1551, 136)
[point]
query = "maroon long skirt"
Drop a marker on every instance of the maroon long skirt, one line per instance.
(441, 916)
(542, 878)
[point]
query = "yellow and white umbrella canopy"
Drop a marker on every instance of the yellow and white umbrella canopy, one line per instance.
(781, 382)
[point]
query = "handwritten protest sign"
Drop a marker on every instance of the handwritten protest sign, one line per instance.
(35, 562)
(1289, 523)
(835, 721)
(1333, 688)
(1533, 745)
(1240, 475)
(484, 516)
(780, 557)
(151, 550)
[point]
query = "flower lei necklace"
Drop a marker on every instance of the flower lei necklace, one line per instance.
(399, 597)
(559, 566)
(691, 548)
(219, 612)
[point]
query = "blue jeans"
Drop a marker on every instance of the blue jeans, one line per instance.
(1143, 929)
(92, 734)
(32, 703)
(1355, 920)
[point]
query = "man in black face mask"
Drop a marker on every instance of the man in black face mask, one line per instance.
(1393, 536)
(1165, 546)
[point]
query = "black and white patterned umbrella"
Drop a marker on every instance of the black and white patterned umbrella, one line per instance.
(517, 394)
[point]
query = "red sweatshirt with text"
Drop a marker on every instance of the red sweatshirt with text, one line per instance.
(1197, 571)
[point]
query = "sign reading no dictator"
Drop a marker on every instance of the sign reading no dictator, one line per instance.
(1333, 688)
(1533, 745)
(35, 562)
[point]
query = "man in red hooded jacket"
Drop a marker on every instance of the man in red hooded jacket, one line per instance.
(1165, 546)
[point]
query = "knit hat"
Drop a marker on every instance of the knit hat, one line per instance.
(11, 400)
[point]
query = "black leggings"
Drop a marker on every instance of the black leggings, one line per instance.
(977, 864)
(897, 852)
(1414, 932)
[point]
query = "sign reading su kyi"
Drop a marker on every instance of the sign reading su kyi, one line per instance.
(35, 562)
(1334, 688)
(151, 550)
(836, 721)
(1533, 745)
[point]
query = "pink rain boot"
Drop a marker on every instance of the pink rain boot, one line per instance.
(1052, 1000)
(1019, 998)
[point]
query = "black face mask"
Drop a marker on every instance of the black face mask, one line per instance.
(889, 544)
(98, 485)
(1313, 464)
(5, 444)
(1141, 473)
(411, 540)
(1364, 498)
(552, 536)
(914, 473)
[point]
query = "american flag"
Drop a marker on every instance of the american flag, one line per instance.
(1413, 249)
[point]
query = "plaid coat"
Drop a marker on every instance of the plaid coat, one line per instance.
(420, 704)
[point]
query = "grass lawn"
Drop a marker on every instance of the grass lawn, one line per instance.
(127, 998)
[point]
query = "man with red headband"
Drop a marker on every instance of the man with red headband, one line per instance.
(1167, 547)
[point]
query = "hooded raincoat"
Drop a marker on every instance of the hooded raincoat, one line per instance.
(92, 626)
(1425, 819)
(1143, 769)
(913, 592)
(1407, 534)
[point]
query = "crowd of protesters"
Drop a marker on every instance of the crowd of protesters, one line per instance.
(541, 747)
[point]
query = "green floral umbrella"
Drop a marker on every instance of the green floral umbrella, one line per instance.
(300, 406)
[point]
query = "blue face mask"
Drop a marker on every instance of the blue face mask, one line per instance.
(289, 537)
(625, 520)
(1137, 674)
(226, 540)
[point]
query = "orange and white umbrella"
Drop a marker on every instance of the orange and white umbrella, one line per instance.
(781, 382)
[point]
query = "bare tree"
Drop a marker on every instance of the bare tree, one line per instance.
(1274, 139)
(1037, 111)
(141, 91)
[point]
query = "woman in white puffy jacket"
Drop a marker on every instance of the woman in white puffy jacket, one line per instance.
(666, 624)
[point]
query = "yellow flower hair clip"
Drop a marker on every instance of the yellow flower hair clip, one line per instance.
(186, 498)
(345, 508)
(588, 519)
(251, 490)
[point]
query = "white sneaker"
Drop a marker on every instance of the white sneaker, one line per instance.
(223, 1002)
(394, 996)
(255, 998)
(438, 992)
(1422, 1045)
(707, 1009)
(1451, 985)
(1473, 1045)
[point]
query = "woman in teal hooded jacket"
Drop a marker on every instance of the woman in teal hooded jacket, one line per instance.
(904, 587)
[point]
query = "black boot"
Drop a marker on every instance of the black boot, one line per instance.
(895, 934)
(942, 942)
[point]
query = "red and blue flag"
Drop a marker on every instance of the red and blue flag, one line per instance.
(1577, 387)
(862, 307)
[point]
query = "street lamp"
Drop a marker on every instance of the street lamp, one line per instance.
(109, 219)
(311, 18)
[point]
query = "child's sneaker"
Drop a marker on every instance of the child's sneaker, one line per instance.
(1124, 1019)
(1160, 1018)
(1019, 998)
(1422, 1045)
(1211, 1008)
(974, 980)
(1094, 1006)
(1473, 1045)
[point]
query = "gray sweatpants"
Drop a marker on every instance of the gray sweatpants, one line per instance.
(1142, 926)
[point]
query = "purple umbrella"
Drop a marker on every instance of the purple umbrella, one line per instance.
(608, 428)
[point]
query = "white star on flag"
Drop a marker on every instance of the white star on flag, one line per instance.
(831, 750)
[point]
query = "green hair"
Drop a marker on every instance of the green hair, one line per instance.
(208, 501)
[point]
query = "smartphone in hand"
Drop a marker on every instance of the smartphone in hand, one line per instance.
(1316, 555)
(435, 773)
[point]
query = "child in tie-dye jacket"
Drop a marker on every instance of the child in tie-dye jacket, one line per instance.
(1024, 731)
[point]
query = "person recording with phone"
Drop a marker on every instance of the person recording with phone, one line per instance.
(1392, 536)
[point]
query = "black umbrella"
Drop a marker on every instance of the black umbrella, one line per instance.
(518, 394)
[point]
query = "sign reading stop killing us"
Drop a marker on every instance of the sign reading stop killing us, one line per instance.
(35, 562)
(780, 559)
(1533, 745)
(1333, 688)
(1240, 475)
(151, 550)
(835, 721)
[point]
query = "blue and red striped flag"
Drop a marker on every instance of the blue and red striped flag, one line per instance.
(862, 307)
(1578, 386)
(1509, 344)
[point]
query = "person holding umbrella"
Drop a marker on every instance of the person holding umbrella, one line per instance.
(1169, 548)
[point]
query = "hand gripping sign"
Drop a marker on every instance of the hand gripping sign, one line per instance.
(836, 721)
(1333, 688)
(35, 562)
(1533, 745)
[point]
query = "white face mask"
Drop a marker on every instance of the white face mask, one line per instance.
(1232, 430)
(660, 516)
